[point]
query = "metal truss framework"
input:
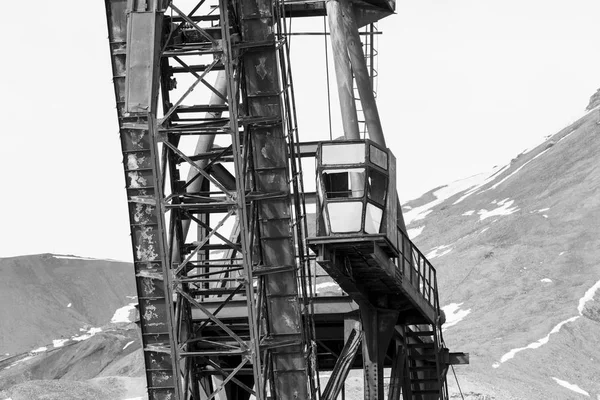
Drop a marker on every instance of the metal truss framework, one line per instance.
(210, 146)
(243, 175)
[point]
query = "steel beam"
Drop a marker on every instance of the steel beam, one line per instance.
(361, 73)
(378, 326)
(343, 71)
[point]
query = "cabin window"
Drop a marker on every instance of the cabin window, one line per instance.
(340, 154)
(345, 216)
(344, 183)
(377, 187)
(378, 157)
(373, 218)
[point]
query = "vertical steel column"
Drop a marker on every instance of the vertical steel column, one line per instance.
(241, 165)
(343, 71)
(361, 73)
(265, 127)
(378, 326)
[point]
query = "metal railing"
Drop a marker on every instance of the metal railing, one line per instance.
(417, 270)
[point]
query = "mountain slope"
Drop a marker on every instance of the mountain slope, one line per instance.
(518, 256)
(49, 297)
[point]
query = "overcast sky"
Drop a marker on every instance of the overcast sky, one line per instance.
(463, 86)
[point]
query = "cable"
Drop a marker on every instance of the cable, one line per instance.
(457, 384)
(327, 73)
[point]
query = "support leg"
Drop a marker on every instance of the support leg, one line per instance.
(378, 326)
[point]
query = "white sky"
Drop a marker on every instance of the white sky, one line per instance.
(463, 85)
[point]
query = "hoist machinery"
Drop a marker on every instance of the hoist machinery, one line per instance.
(228, 254)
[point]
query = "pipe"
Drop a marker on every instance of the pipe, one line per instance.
(343, 72)
(361, 73)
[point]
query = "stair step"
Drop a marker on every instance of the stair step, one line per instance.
(425, 357)
(425, 391)
(421, 345)
(424, 380)
(419, 333)
(431, 368)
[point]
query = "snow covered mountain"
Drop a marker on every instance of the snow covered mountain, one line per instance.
(518, 257)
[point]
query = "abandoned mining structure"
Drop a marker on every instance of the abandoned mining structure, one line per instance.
(226, 255)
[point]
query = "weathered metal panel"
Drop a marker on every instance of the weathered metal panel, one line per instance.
(286, 308)
(258, 30)
(281, 286)
(278, 252)
(269, 142)
(118, 20)
(141, 61)
(257, 9)
(276, 228)
(276, 208)
(261, 70)
(265, 106)
(291, 385)
(272, 181)
(391, 210)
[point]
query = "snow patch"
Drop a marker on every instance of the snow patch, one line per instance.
(542, 210)
(569, 134)
(561, 253)
(493, 175)
(588, 296)
(504, 209)
(132, 297)
(128, 344)
(91, 332)
(438, 252)
(539, 343)
(123, 313)
(72, 257)
(19, 361)
(442, 194)
(546, 280)
(484, 229)
(68, 257)
(39, 350)
(571, 386)
(59, 342)
(468, 213)
(69, 305)
(544, 215)
(414, 232)
(454, 314)
(515, 171)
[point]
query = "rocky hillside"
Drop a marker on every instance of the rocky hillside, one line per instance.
(518, 257)
(48, 298)
(106, 364)
(67, 330)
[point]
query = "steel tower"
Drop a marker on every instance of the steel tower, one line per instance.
(219, 228)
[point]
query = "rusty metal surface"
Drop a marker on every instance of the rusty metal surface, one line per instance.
(134, 101)
(270, 160)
